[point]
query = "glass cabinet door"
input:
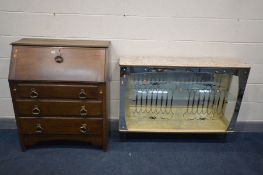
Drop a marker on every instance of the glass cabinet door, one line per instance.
(180, 101)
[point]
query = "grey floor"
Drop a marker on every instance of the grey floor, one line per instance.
(240, 153)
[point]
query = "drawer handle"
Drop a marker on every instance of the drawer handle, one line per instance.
(83, 129)
(39, 129)
(33, 93)
(35, 110)
(82, 94)
(59, 59)
(83, 111)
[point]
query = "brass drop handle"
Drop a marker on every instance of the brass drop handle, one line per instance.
(82, 94)
(33, 93)
(83, 111)
(36, 110)
(39, 129)
(59, 59)
(83, 129)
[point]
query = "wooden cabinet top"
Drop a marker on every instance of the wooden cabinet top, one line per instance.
(61, 43)
(181, 62)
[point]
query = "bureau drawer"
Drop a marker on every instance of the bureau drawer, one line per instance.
(58, 63)
(61, 91)
(59, 108)
(61, 126)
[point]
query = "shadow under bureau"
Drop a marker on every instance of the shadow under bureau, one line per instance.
(59, 90)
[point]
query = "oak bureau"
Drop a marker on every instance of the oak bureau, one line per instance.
(59, 90)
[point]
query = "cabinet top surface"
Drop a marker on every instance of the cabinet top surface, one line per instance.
(60, 43)
(181, 62)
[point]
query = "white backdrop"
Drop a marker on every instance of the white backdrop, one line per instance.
(196, 28)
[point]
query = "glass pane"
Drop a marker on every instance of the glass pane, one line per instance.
(182, 101)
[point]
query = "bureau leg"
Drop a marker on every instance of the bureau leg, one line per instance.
(23, 147)
(22, 143)
(104, 147)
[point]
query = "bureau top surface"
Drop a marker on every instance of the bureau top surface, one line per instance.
(61, 43)
(181, 62)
